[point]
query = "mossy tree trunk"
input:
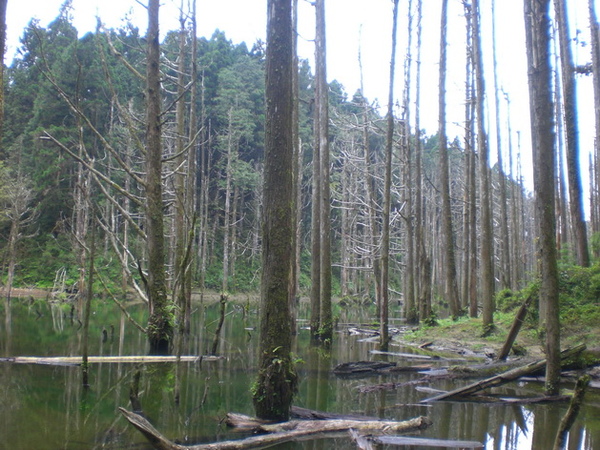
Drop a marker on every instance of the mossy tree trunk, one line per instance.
(276, 384)
(160, 322)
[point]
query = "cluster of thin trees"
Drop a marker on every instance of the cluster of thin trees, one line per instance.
(175, 165)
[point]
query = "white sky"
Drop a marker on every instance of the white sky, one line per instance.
(365, 23)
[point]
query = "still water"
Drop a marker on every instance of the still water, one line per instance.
(46, 407)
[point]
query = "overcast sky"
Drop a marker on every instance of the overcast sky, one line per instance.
(364, 24)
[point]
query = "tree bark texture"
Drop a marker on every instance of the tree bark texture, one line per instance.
(277, 380)
(451, 284)
(322, 140)
(160, 322)
(571, 133)
(595, 39)
(542, 130)
(487, 235)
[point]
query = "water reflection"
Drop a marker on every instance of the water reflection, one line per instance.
(45, 407)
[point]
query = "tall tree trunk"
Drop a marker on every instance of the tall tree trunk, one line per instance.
(487, 236)
(537, 23)
(297, 172)
(571, 133)
(160, 322)
(322, 140)
(228, 193)
(186, 290)
(595, 39)
(469, 287)
(384, 337)
(179, 222)
(451, 284)
(277, 379)
(410, 310)
(422, 260)
(315, 268)
(371, 201)
(505, 281)
(3, 4)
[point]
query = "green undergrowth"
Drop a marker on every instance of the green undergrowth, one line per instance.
(579, 298)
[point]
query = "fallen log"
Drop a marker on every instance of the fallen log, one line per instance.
(278, 432)
(362, 367)
(77, 360)
(425, 442)
(514, 329)
(310, 414)
(502, 378)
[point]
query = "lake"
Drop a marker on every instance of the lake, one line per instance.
(46, 407)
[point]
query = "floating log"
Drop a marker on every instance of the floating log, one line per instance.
(503, 377)
(278, 432)
(362, 367)
(425, 442)
(404, 355)
(77, 360)
(310, 414)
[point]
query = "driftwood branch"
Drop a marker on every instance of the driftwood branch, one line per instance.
(278, 432)
(502, 378)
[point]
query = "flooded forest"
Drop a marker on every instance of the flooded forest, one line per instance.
(210, 241)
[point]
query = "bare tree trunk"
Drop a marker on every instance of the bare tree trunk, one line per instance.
(186, 290)
(572, 133)
(542, 127)
(277, 380)
(179, 222)
(297, 172)
(227, 211)
(422, 261)
(410, 309)
(451, 284)
(160, 322)
(384, 337)
(595, 39)
(505, 281)
(322, 139)
(3, 4)
(487, 236)
(315, 268)
(469, 288)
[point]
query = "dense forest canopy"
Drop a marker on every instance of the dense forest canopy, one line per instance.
(73, 157)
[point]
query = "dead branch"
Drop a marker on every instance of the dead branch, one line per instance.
(278, 432)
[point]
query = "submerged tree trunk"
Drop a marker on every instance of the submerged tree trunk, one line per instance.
(277, 380)
(160, 322)
(537, 23)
